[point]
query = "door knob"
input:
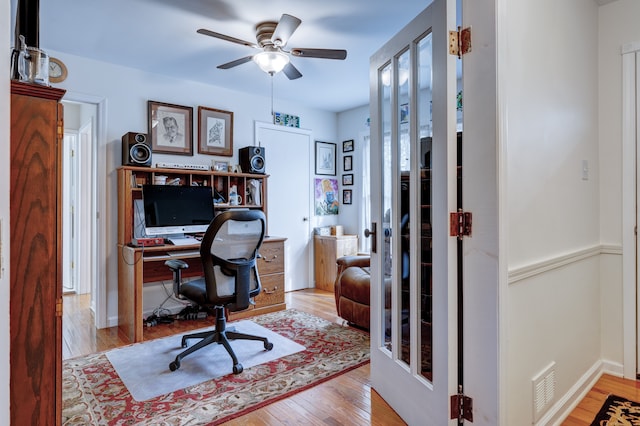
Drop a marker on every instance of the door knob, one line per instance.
(372, 233)
(305, 219)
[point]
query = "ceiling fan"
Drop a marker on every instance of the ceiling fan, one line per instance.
(271, 38)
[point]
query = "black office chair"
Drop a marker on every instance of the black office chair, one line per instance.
(229, 250)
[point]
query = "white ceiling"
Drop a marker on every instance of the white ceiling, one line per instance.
(160, 36)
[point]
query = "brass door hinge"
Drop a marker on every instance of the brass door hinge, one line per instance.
(461, 408)
(460, 41)
(460, 224)
(59, 308)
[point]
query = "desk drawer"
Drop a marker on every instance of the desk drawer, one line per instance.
(272, 290)
(272, 260)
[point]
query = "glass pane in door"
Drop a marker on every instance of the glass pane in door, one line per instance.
(405, 188)
(424, 93)
(387, 202)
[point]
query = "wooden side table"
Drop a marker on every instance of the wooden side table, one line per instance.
(327, 249)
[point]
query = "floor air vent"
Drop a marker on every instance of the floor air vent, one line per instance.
(544, 389)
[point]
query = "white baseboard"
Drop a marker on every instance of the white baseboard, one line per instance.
(565, 405)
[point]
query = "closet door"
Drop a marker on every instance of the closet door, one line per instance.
(36, 285)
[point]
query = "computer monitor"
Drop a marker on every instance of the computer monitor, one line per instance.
(172, 209)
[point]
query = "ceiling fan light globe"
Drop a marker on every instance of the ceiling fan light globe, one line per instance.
(271, 62)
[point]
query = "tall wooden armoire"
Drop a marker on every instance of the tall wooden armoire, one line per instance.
(36, 287)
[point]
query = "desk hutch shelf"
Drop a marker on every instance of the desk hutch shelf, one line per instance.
(131, 179)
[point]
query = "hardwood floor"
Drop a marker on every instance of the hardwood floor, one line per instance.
(584, 413)
(346, 400)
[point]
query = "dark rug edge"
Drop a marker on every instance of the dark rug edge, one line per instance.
(602, 414)
(287, 394)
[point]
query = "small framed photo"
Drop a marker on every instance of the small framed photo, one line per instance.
(215, 132)
(325, 158)
(221, 166)
(346, 196)
(347, 146)
(404, 113)
(348, 163)
(170, 128)
(347, 179)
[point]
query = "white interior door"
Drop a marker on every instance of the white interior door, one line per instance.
(413, 142)
(84, 263)
(288, 164)
(70, 228)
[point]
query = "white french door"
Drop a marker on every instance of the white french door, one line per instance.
(414, 334)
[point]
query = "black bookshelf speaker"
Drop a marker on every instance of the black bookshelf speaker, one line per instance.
(252, 159)
(136, 150)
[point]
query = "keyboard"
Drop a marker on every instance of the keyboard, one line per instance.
(184, 241)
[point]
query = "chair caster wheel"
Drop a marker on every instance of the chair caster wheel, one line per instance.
(237, 369)
(268, 345)
(174, 365)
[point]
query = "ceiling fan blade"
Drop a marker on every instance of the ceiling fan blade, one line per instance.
(287, 25)
(291, 72)
(319, 53)
(226, 38)
(234, 63)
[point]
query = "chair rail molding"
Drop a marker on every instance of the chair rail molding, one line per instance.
(537, 268)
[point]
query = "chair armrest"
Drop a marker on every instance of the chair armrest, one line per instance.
(176, 264)
(347, 261)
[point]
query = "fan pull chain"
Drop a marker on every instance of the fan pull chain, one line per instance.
(273, 118)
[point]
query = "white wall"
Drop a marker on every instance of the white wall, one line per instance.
(4, 212)
(617, 25)
(352, 124)
(553, 243)
(127, 91)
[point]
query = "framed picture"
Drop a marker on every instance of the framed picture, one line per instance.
(404, 113)
(346, 196)
(215, 132)
(325, 158)
(221, 166)
(326, 196)
(347, 146)
(347, 179)
(348, 163)
(170, 128)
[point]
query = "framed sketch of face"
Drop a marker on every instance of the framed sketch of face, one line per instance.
(215, 132)
(170, 128)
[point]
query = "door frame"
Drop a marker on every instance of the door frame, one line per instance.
(99, 202)
(630, 219)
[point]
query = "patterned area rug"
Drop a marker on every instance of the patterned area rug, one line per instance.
(94, 394)
(618, 411)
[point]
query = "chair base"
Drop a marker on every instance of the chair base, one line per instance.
(221, 336)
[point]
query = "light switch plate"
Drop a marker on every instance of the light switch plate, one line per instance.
(585, 170)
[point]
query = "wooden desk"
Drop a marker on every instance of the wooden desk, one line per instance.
(137, 266)
(327, 249)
